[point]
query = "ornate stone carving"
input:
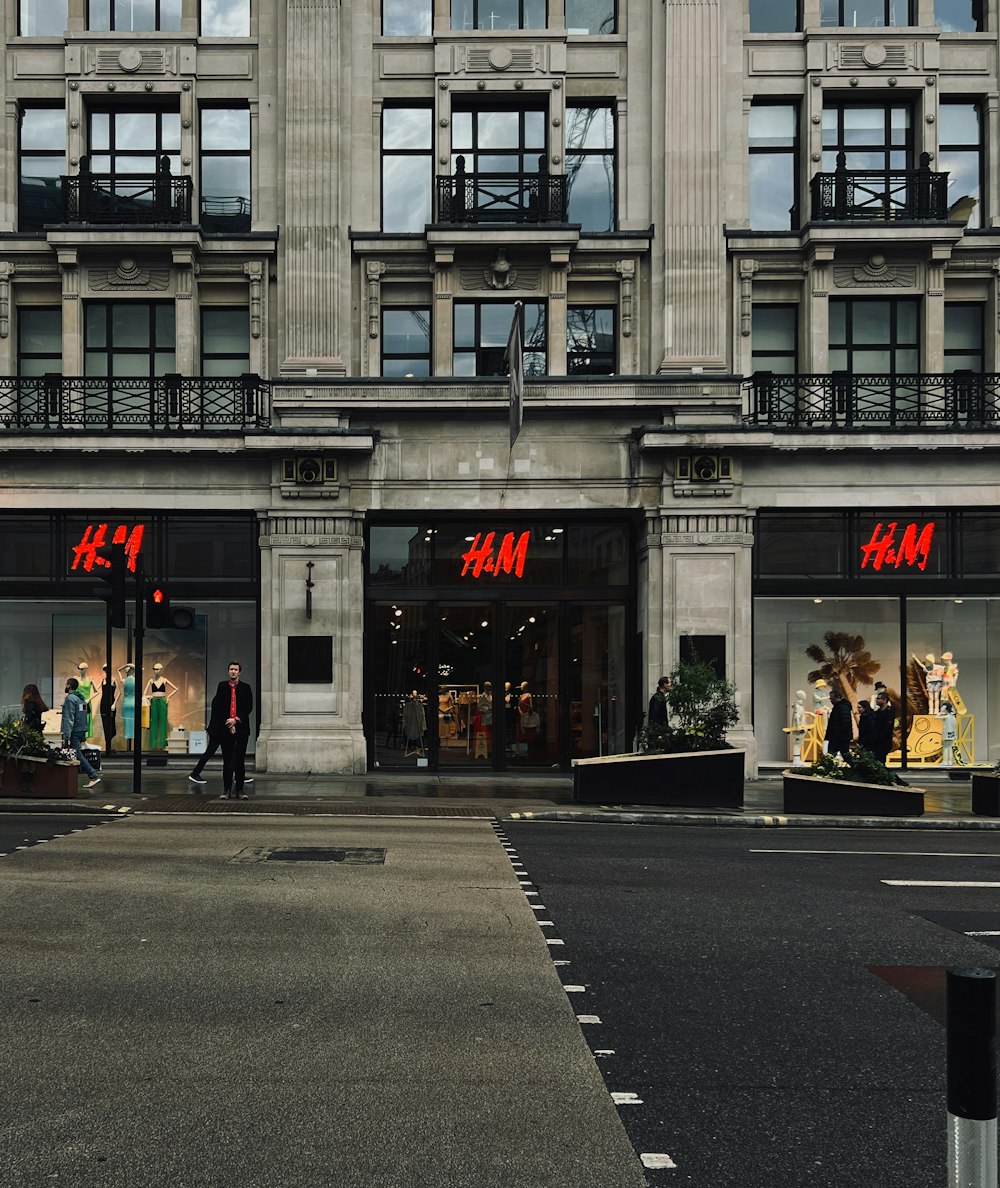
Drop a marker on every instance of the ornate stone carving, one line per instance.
(747, 269)
(626, 270)
(128, 275)
(500, 275)
(374, 270)
(255, 273)
(6, 272)
(878, 273)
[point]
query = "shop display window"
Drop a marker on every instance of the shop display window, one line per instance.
(400, 555)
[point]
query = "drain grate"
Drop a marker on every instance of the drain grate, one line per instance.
(354, 856)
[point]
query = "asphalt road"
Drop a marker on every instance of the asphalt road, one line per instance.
(20, 830)
(770, 1000)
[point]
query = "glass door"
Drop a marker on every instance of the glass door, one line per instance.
(597, 682)
(532, 698)
(466, 683)
(399, 685)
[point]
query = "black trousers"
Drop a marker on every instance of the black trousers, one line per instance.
(214, 742)
(234, 753)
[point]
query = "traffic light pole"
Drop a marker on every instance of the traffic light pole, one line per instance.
(140, 599)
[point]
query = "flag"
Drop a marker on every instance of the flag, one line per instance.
(514, 361)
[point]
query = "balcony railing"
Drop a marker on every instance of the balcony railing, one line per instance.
(130, 198)
(963, 400)
(880, 196)
(477, 198)
(227, 216)
(168, 403)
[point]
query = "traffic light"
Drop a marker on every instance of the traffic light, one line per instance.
(110, 566)
(159, 612)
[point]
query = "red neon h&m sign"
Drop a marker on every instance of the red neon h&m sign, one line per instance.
(481, 557)
(913, 548)
(85, 555)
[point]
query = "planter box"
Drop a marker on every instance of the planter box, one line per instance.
(700, 779)
(35, 777)
(986, 795)
(810, 794)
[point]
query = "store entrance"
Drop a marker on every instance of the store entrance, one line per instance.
(494, 685)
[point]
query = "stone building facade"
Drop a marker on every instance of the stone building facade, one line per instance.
(258, 267)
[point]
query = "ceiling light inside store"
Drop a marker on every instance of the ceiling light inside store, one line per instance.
(484, 623)
(959, 601)
(397, 612)
(817, 601)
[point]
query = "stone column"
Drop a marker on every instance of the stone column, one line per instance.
(312, 726)
(72, 315)
(443, 311)
(705, 589)
(374, 271)
(10, 170)
(187, 335)
(558, 313)
(313, 326)
(256, 274)
(8, 349)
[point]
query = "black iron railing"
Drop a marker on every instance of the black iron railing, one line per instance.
(880, 196)
(230, 216)
(167, 403)
(126, 198)
(963, 400)
(501, 197)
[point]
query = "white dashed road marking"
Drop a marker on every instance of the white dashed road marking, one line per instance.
(937, 883)
(654, 1161)
(626, 1099)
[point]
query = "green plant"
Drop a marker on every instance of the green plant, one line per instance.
(701, 707)
(18, 741)
(861, 767)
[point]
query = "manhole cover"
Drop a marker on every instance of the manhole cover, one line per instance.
(355, 856)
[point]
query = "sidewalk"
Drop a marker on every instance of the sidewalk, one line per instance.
(531, 796)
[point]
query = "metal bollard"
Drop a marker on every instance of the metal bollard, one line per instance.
(972, 1078)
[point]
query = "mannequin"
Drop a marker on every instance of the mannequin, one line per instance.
(798, 727)
(159, 691)
(527, 719)
(447, 725)
(949, 733)
(950, 672)
(414, 724)
(86, 690)
(934, 673)
(509, 717)
(127, 675)
(109, 700)
(482, 723)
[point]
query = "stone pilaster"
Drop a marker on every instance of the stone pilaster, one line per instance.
(314, 328)
(311, 726)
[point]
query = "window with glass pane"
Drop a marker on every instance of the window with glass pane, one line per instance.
(225, 341)
(225, 169)
(42, 163)
(133, 16)
(960, 16)
(590, 340)
(406, 342)
(774, 16)
(871, 136)
(507, 140)
(481, 331)
(590, 166)
(871, 336)
(39, 340)
(590, 16)
(124, 142)
(963, 336)
(128, 338)
(225, 18)
(773, 167)
(407, 167)
(407, 18)
(960, 153)
(774, 338)
(495, 15)
(400, 556)
(41, 18)
(865, 14)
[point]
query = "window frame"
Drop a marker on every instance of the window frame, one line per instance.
(429, 8)
(39, 5)
(109, 350)
(115, 154)
(841, 23)
(892, 347)
(478, 28)
(792, 152)
(886, 147)
(980, 20)
(978, 148)
(241, 221)
(425, 153)
(980, 308)
(22, 354)
(766, 32)
(203, 355)
(385, 355)
(594, 153)
(158, 27)
(793, 354)
(612, 355)
(483, 354)
(201, 25)
(592, 33)
(24, 155)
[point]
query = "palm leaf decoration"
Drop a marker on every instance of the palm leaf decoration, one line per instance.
(846, 661)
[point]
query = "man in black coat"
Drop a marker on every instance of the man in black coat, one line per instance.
(839, 726)
(882, 727)
(230, 721)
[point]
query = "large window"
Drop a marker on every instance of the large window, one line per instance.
(42, 162)
(407, 18)
(960, 154)
(774, 338)
(963, 336)
(590, 166)
(499, 140)
(865, 14)
(225, 18)
(407, 167)
(481, 330)
(133, 16)
(406, 342)
(225, 169)
(960, 16)
(590, 16)
(590, 340)
(225, 341)
(773, 167)
(129, 338)
(774, 16)
(871, 136)
(872, 336)
(39, 340)
(124, 142)
(498, 14)
(41, 18)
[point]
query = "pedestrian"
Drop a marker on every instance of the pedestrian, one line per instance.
(867, 724)
(75, 716)
(839, 726)
(659, 711)
(32, 708)
(230, 720)
(883, 727)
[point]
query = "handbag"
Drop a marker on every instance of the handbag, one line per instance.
(530, 721)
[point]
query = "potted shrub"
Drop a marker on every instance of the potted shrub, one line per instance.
(685, 762)
(862, 787)
(30, 767)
